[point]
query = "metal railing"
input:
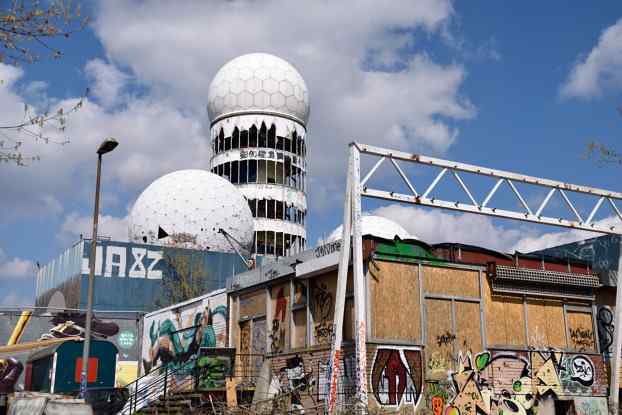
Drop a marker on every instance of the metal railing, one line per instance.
(165, 380)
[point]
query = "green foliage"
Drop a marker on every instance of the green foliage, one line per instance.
(187, 278)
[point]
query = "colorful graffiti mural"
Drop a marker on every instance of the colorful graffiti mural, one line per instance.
(504, 382)
(214, 365)
(173, 336)
(396, 376)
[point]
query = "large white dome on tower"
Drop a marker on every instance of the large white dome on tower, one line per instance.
(377, 226)
(258, 82)
(187, 209)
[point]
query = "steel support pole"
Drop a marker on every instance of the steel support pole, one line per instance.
(614, 385)
(360, 329)
(89, 295)
(340, 297)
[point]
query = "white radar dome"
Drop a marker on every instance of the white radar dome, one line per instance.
(377, 226)
(188, 209)
(258, 82)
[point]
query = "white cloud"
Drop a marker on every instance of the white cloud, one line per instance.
(108, 81)
(75, 225)
(414, 108)
(436, 226)
(601, 69)
(11, 268)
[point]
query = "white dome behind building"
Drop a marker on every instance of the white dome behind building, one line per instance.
(377, 226)
(258, 82)
(187, 208)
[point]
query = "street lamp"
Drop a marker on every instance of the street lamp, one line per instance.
(106, 146)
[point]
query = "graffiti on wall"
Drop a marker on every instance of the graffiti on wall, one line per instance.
(323, 302)
(515, 382)
(396, 376)
(173, 337)
(214, 365)
(277, 334)
(604, 319)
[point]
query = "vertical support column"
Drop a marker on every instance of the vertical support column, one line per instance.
(340, 297)
(360, 328)
(614, 386)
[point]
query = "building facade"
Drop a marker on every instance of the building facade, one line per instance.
(451, 330)
(258, 108)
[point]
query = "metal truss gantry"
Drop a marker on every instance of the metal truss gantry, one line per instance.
(352, 237)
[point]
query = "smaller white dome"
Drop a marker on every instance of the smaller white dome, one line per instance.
(187, 209)
(377, 226)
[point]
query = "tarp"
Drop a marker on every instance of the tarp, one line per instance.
(9, 350)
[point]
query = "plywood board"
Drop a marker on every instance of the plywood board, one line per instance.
(252, 304)
(323, 307)
(504, 318)
(395, 301)
(468, 327)
(581, 331)
(450, 281)
(440, 338)
(299, 335)
(547, 327)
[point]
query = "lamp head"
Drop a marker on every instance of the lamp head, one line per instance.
(107, 146)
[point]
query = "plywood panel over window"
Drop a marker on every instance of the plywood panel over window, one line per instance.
(252, 304)
(581, 330)
(323, 306)
(504, 319)
(279, 320)
(395, 301)
(440, 337)
(468, 327)
(449, 281)
(299, 330)
(546, 324)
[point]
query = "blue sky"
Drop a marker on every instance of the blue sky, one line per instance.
(520, 86)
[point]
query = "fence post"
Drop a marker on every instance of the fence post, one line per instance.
(165, 380)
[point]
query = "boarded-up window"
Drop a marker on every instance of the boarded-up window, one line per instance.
(299, 330)
(546, 326)
(440, 338)
(448, 281)
(581, 330)
(279, 323)
(244, 355)
(252, 304)
(468, 327)
(505, 319)
(395, 301)
(323, 291)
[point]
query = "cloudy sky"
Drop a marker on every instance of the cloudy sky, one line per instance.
(520, 86)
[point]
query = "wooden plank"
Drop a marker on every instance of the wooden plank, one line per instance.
(395, 307)
(468, 327)
(547, 327)
(231, 393)
(448, 281)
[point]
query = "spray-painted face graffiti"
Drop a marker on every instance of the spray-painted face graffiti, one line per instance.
(277, 334)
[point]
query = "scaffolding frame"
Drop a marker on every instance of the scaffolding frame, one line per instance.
(352, 238)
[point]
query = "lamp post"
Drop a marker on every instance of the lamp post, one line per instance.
(106, 146)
